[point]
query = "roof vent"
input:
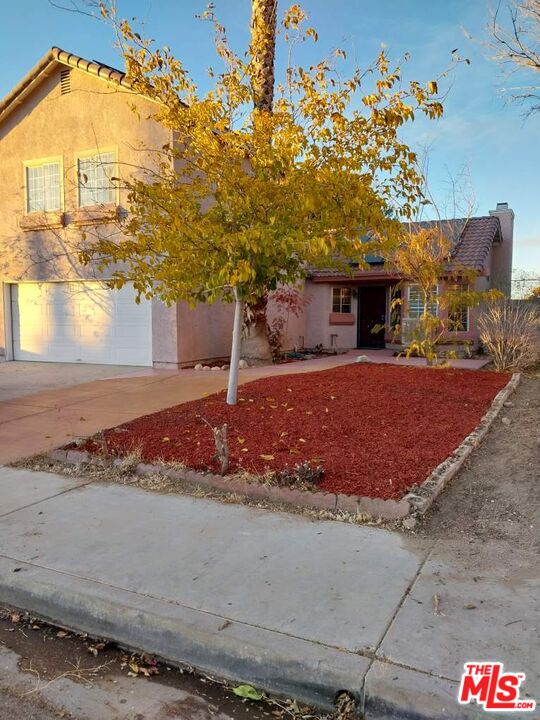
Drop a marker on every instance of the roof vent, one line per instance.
(65, 81)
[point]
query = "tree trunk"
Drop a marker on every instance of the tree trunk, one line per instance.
(255, 344)
(262, 51)
(232, 389)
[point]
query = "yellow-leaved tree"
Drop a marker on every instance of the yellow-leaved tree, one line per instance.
(246, 198)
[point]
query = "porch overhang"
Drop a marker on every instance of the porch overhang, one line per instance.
(368, 277)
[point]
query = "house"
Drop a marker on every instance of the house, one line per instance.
(66, 131)
(343, 309)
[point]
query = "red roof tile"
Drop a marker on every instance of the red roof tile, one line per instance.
(472, 239)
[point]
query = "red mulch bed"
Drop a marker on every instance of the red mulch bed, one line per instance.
(377, 430)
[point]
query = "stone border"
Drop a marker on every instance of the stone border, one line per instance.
(422, 497)
(374, 507)
(414, 502)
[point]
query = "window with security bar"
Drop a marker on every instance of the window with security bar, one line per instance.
(95, 174)
(458, 316)
(415, 302)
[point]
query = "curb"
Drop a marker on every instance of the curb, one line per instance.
(282, 664)
(422, 497)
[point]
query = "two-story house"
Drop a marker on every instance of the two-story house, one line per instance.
(66, 131)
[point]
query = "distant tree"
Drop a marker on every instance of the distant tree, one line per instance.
(246, 200)
(524, 282)
(515, 40)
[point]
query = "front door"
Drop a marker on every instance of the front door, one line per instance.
(371, 312)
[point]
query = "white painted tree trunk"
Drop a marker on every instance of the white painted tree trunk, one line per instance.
(232, 389)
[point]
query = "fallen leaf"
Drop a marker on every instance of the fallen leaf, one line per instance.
(437, 605)
(301, 440)
(289, 409)
(267, 457)
(166, 439)
(15, 617)
(241, 440)
(249, 692)
(61, 634)
(95, 649)
(244, 450)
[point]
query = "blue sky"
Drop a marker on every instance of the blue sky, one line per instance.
(480, 131)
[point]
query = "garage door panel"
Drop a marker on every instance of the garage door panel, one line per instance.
(80, 322)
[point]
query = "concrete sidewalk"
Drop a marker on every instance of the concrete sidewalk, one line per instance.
(301, 608)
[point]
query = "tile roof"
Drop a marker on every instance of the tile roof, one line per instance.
(472, 239)
(474, 243)
(47, 63)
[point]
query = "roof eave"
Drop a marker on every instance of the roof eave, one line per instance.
(16, 96)
(43, 68)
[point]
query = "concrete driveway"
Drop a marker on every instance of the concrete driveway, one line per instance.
(18, 379)
(32, 422)
(44, 405)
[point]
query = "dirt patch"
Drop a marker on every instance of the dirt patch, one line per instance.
(49, 653)
(377, 430)
(496, 496)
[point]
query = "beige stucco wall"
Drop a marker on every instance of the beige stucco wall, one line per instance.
(94, 115)
(319, 331)
(204, 332)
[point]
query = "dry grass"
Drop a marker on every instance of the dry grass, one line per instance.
(124, 474)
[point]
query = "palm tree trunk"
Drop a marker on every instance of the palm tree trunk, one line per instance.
(262, 51)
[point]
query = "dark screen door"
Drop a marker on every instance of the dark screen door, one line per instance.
(371, 312)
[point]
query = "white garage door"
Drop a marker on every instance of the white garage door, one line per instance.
(80, 322)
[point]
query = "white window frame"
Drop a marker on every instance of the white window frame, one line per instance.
(39, 162)
(420, 305)
(87, 155)
(341, 311)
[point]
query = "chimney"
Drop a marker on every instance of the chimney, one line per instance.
(501, 253)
